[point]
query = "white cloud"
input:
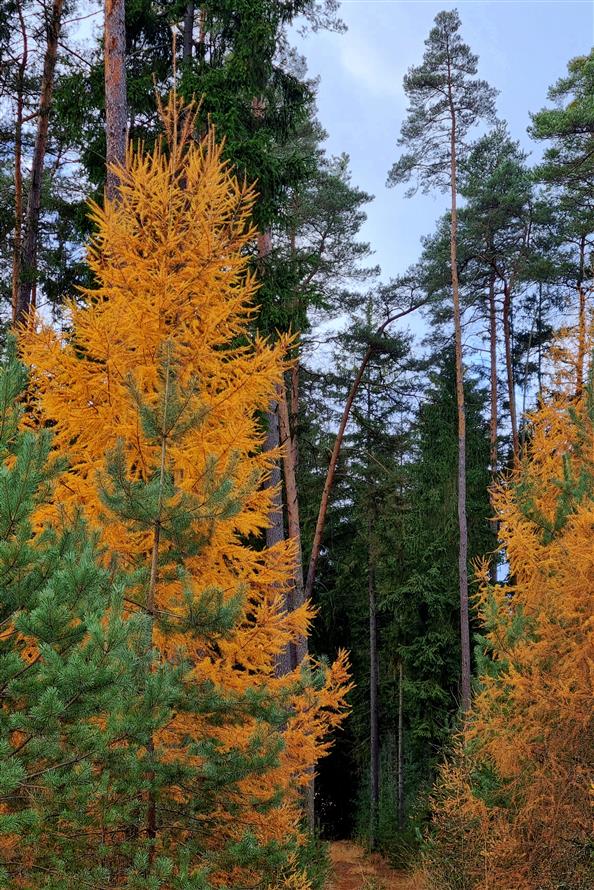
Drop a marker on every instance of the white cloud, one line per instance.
(369, 66)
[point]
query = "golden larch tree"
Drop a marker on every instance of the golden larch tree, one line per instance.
(513, 807)
(155, 391)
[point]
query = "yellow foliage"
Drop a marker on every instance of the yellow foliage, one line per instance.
(513, 808)
(170, 261)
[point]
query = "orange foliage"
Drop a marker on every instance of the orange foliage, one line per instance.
(170, 261)
(512, 810)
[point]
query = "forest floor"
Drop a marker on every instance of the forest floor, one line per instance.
(355, 869)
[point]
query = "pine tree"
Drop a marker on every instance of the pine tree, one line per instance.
(566, 171)
(162, 369)
(513, 807)
(447, 100)
(69, 666)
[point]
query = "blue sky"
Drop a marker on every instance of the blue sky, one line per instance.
(523, 48)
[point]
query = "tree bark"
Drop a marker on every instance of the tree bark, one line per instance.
(579, 382)
(374, 747)
(116, 103)
(511, 386)
(275, 533)
(462, 520)
(188, 32)
(18, 168)
(493, 425)
(374, 741)
(28, 259)
(290, 457)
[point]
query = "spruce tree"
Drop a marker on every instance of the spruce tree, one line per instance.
(419, 579)
(446, 101)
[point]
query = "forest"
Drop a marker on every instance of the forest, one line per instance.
(295, 583)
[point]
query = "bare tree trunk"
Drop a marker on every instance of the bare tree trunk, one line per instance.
(275, 533)
(188, 33)
(493, 456)
(462, 521)
(28, 264)
(18, 166)
(511, 386)
(290, 456)
(400, 746)
(374, 740)
(116, 102)
(374, 746)
(539, 329)
(581, 356)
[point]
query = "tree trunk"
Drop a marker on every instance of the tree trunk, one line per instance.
(331, 471)
(275, 533)
(581, 356)
(374, 746)
(151, 817)
(28, 264)
(493, 456)
(400, 746)
(511, 387)
(462, 521)
(188, 33)
(116, 103)
(374, 740)
(18, 168)
(539, 330)
(329, 481)
(290, 457)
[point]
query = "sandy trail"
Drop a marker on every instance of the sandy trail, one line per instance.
(354, 869)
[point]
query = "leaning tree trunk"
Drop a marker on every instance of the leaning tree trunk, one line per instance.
(462, 521)
(116, 103)
(28, 258)
(331, 471)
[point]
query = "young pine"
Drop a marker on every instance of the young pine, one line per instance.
(69, 666)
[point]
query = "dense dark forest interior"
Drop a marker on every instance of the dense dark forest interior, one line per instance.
(296, 566)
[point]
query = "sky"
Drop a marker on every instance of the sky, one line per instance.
(523, 48)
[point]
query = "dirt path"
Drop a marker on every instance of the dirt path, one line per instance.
(354, 869)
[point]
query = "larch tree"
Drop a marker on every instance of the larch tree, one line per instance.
(513, 805)
(163, 368)
(446, 101)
